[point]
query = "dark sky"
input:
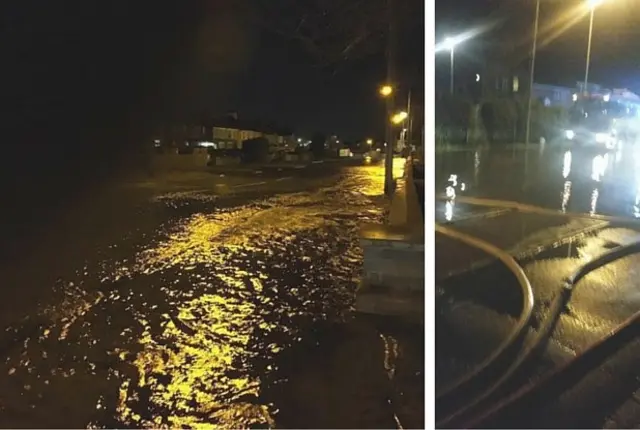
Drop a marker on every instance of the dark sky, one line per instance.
(282, 82)
(615, 59)
(83, 83)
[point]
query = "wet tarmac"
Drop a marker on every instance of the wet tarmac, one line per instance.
(555, 177)
(570, 186)
(204, 309)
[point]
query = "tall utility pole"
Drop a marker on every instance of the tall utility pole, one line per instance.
(453, 49)
(388, 161)
(532, 73)
(586, 69)
(409, 121)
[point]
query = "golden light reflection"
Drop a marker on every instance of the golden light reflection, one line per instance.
(594, 201)
(566, 195)
(194, 367)
(566, 164)
(399, 164)
(197, 370)
(448, 211)
(476, 166)
(599, 167)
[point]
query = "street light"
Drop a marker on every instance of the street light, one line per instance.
(369, 142)
(386, 90)
(531, 75)
(399, 117)
(591, 4)
(450, 44)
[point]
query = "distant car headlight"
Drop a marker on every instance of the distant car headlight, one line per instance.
(602, 137)
(569, 134)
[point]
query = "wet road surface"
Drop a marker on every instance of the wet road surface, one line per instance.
(477, 308)
(554, 177)
(196, 308)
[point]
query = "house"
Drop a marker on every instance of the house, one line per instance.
(229, 132)
(553, 95)
(516, 84)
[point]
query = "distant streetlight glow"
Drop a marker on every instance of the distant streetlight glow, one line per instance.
(399, 117)
(450, 43)
(386, 90)
(369, 142)
(592, 4)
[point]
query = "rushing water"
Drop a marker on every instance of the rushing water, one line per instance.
(213, 322)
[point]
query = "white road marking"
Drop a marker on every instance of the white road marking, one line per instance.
(284, 179)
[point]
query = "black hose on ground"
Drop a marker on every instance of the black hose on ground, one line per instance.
(557, 307)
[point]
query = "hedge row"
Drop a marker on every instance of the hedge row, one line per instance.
(500, 120)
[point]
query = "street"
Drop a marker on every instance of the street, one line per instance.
(552, 209)
(554, 177)
(206, 301)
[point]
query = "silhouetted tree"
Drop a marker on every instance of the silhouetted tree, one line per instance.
(333, 31)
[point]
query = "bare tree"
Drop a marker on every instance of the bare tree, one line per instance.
(330, 31)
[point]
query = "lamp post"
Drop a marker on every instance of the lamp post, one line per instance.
(450, 44)
(399, 117)
(531, 73)
(592, 4)
(387, 91)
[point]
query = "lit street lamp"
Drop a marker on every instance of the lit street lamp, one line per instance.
(399, 117)
(386, 90)
(369, 142)
(450, 44)
(532, 74)
(592, 4)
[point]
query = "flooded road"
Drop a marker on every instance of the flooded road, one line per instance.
(561, 178)
(222, 314)
(555, 227)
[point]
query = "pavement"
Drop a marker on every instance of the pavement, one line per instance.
(572, 205)
(206, 301)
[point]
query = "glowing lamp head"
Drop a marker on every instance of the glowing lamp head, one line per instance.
(592, 4)
(386, 90)
(399, 117)
(450, 43)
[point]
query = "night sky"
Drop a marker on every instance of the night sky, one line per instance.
(85, 82)
(615, 59)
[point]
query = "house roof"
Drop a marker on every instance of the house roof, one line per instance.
(252, 125)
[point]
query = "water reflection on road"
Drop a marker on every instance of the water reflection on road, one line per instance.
(188, 330)
(560, 178)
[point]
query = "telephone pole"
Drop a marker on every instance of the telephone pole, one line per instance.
(409, 121)
(388, 162)
(531, 73)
